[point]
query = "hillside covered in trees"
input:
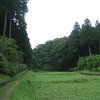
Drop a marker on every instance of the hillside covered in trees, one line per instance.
(62, 54)
(15, 48)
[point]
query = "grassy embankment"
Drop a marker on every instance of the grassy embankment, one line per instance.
(24, 90)
(6, 81)
(57, 86)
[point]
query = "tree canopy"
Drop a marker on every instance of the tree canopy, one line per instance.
(13, 25)
(63, 53)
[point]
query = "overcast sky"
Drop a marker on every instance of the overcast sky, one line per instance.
(49, 19)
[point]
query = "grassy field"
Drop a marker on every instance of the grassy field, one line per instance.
(57, 86)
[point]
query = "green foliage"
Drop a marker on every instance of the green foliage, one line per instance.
(11, 53)
(11, 68)
(4, 78)
(11, 59)
(9, 42)
(3, 64)
(15, 27)
(9, 84)
(63, 53)
(24, 90)
(51, 55)
(57, 86)
(14, 68)
(89, 62)
(81, 63)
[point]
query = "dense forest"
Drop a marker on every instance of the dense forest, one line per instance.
(60, 54)
(63, 54)
(15, 48)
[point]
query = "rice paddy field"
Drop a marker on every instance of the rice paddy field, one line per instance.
(57, 86)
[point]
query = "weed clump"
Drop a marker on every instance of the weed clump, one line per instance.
(80, 80)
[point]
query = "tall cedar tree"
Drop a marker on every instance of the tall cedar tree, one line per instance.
(12, 22)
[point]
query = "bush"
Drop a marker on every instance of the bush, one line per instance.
(11, 52)
(10, 68)
(3, 64)
(11, 58)
(4, 78)
(82, 63)
(15, 68)
(89, 62)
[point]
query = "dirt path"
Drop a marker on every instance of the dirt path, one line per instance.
(6, 95)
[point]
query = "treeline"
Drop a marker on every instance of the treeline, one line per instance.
(15, 48)
(63, 53)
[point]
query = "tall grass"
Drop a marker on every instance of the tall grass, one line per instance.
(24, 90)
(66, 86)
(57, 86)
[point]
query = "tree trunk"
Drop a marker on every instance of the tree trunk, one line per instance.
(99, 47)
(4, 32)
(10, 28)
(78, 53)
(89, 47)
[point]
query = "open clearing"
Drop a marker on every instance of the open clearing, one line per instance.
(57, 86)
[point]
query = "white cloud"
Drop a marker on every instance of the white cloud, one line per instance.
(48, 19)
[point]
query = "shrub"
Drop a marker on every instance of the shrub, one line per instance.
(11, 58)
(10, 68)
(4, 78)
(89, 62)
(3, 64)
(11, 51)
(82, 63)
